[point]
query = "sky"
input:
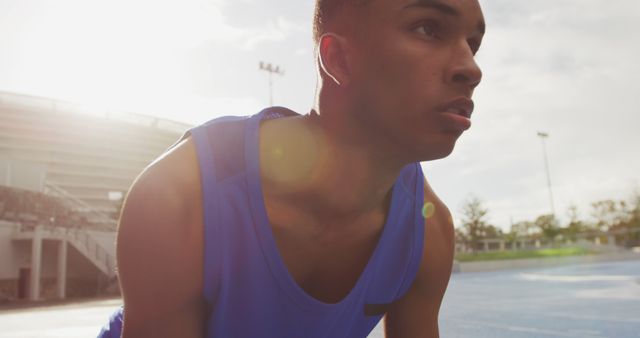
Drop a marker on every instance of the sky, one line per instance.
(565, 67)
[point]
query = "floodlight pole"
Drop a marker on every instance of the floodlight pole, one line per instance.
(543, 136)
(269, 68)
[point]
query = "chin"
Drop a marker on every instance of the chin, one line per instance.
(435, 151)
(436, 155)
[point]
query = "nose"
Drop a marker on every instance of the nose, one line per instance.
(464, 70)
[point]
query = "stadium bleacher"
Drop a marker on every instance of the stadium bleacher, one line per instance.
(64, 170)
(88, 157)
(32, 208)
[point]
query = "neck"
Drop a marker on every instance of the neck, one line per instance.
(345, 177)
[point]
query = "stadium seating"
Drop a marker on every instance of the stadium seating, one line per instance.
(87, 156)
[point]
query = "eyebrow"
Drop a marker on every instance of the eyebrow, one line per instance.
(444, 8)
(433, 4)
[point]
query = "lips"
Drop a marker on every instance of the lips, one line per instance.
(456, 115)
(462, 106)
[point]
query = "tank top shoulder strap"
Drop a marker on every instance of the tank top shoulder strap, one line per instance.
(219, 145)
(209, 205)
(207, 139)
(416, 182)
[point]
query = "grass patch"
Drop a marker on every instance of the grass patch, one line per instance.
(542, 253)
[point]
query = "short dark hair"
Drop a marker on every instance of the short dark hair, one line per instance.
(326, 12)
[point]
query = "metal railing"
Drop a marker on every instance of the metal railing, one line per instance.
(80, 239)
(79, 205)
(89, 247)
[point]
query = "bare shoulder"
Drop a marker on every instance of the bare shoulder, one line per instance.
(439, 245)
(159, 248)
(416, 313)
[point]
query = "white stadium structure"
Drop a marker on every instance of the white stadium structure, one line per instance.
(64, 171)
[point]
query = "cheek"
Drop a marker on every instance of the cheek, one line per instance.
(399, 84)
(391, 83)
(406, 74)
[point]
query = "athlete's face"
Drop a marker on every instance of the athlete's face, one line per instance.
(414, 72)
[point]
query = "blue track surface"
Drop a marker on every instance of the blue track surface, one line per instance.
(588, 301)
(585, 301)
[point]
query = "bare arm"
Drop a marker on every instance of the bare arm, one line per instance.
(159, 250)
(415, 315)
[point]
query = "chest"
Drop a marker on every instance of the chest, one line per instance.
(327, 262)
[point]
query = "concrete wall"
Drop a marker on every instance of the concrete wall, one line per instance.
(17, 254)
(49, 259)
(13, 255)
(83, 279)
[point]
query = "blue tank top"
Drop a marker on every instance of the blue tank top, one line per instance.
(247, 286)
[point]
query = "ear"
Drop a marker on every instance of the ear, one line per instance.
(334, 58)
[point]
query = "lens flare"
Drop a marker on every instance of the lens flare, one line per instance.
(428, 210)
(289, 155)
(278, 152)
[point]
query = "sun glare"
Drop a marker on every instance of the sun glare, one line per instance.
(123, 55)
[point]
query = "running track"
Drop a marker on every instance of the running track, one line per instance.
(585, 301)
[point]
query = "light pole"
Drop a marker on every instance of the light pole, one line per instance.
(269, 68)
(543, 136)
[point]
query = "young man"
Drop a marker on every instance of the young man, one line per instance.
(281, 225)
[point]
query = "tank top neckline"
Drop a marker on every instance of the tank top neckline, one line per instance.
(265, 234)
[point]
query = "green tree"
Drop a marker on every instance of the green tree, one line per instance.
(626, 221)
(610, 214)
(461, 236)
(548, 226)
(490, 231)
(634, 220)
(575, 225)
(474, 223)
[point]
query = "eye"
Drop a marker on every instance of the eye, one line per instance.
(428, 28)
